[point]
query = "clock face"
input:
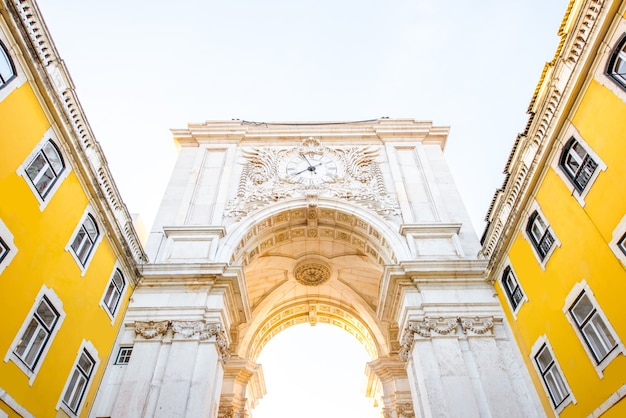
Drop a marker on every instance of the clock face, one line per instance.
(311, 169)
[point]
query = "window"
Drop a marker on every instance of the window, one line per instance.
(592, 327)
(577, 164)
(75, 391)
(44, 170)
(34, 339)
(7, 69)
(114, 291)
(85, 240)
(616, 68)
(4, 250)
(123, 356)
(512, 288)
(539, 235)
(552, 376)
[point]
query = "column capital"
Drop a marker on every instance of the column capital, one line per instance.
(151, 329)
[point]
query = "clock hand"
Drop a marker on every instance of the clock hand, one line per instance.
(307, 160)
(309, 168)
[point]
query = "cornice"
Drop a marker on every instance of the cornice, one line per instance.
(375, 131)
(54, 78)
(581, 34)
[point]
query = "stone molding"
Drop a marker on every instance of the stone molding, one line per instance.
(186, 330)
(228, 411)
(546, 109)
(428, 328)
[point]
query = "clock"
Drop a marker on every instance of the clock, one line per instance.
(311, 168)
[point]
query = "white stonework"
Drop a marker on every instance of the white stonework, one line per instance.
(359, 225)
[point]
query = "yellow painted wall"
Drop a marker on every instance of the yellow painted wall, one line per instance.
(584, 233)
(41, 238)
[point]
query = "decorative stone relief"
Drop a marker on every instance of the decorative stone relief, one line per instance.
(477, 325)
(429, 327)
(186, 330)
(151, 329)
(265, 179)
(311, 273)
(426, 328)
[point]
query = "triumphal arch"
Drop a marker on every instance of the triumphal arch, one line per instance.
(354, 224)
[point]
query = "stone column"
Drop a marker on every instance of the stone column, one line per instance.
(242, 387)
(397, 399)
(457, 368)
(175, 370)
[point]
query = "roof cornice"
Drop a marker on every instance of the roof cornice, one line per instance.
(53, 77)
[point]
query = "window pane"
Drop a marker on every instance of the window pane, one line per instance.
(544, 359)
(54, 158)
(582, 309)
(118, 280)
(27, 338)
(74, 392)
(555, 384)
(46, 314)
(85, 363)
(91, 228)
(600, 339)
(35, 167)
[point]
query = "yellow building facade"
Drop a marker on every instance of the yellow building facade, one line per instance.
(68, 249)
(556, 232)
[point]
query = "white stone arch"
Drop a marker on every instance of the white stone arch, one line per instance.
(391, 237)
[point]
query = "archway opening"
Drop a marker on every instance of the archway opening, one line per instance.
(313, 372)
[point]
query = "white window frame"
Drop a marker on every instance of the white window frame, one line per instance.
(87, 213)
(542, 262)
(572, 297)
(11, 355)
(49, 135)
(88, 348)
(103, 301)
(614, 244)
(7, 238)
(12, 51)
(538, 346)
(524, 298)
(125, 352)
(568, 134)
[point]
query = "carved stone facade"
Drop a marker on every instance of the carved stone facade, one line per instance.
(356, 225)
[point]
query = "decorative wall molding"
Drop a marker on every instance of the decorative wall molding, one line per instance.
(264, 179)
(186, 330)
(437, 327)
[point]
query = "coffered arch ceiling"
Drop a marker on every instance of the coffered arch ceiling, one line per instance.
(317, 264)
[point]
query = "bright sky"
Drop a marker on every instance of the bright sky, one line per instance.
(143, 67)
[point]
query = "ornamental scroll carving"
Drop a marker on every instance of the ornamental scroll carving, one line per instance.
(264, 179)
(151, 329)
(430, 327)
(200, 330)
